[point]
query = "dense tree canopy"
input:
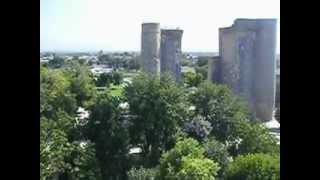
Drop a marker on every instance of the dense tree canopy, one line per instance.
(55, 93)
(193, 79)
(186, 160)
(158, 107)
(198, 128)
(61, 152)
(253, 167)
(220, 107)
(106, 129)
(82, 84)
(56, 62)
(253, 138)
(184, 132)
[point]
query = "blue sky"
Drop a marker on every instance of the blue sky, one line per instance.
(115, 25)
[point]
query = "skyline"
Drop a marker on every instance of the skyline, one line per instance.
(92, 25)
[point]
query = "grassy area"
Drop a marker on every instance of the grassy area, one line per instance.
(115, 90)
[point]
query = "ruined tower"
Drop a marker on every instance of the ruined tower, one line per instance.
(150, 48)
(247, 53)
(214, 68)
(171, 52)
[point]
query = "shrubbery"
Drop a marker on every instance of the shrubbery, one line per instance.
(187, 159)
(198, 128)
(221, 108)
(142, 174)
(192, 79)
(254, 167)
(158, 110)
(217, 152)
(196, 168)
(253, 138)
(159, 121)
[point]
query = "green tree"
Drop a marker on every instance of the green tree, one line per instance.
(104, 80)
(104, 58)
(61, 153)
(82, 61)
(186, 160)
(193, 79)
(218, 152)
(203, 70)
(253, 138)
(56, 62)
(221, 108)
(55, 93)
(158, 109)
(204, 169)
(133, 64)
(82, 84)
(186, 62)
(54, 149)
(107, 130)
(117, 78)
(253, 167)
(142, 174)
(202, 61)
(198, 128)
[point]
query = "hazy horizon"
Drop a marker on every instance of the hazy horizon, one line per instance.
(93, 25)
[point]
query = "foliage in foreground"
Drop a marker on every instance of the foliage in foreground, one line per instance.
(186, 160)
(198, 128)
(106, 79)
(158, 110)
(155, 120)
(62, 152)
(142, 174)
(218, 152)
(253, 167)
(192, 79)
(221, 108)
(253, 138)
(106, 129)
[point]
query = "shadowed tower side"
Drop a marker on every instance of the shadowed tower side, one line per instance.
(150, 48)
(247, 52)
(171, 52)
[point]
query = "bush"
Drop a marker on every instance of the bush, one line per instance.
(158, 109)
(187, 159)
(142, 174)
(253, 138)
(117, 78)
(203, 70)
(104, 79)
(106, 129)
(221, 108)
(193, 79)
(253, 167)
(217, 152)
(194, 168)
(198, 128)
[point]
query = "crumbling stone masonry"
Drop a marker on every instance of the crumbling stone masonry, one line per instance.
(247, 53)
(214, 68)
(171, 52)
(150, 48)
